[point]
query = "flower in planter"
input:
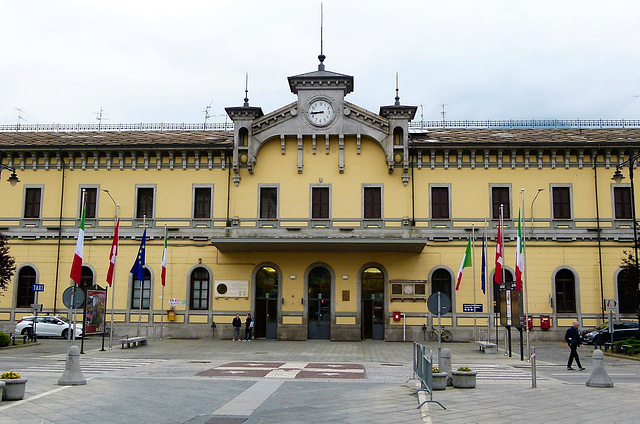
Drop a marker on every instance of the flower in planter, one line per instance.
(11, 375)
(464, 369)
(435, 370)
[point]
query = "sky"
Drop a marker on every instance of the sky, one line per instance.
(166, 61)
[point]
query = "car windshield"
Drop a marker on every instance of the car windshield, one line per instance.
(63, 319)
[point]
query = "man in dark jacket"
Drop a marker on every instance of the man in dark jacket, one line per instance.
(572, 336)
(237, 323)
(248, 327)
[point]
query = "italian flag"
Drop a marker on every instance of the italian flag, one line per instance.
(466, 262)
(76, 267)
(519, 266)
(164, 259)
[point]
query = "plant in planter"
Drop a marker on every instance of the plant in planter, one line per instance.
(438, 379)
(14, 386)
(463, 378)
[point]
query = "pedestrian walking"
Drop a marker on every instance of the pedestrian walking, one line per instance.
(237, 323)
(248, 323)
(572, 336)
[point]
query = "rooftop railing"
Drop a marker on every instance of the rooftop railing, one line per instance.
(414, 126)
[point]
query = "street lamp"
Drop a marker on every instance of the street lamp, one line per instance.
(13, 179)
(617, 177)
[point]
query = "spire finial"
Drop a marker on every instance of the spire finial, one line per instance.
(321, 57)
(397, 91)
(246, 90)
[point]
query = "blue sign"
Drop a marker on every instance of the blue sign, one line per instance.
(37, 287)
(469, 307)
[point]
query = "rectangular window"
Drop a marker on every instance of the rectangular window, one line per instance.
(202, 202)
(268, 203)
(146, 294)
(91, 202)
(561, 202)
(440, 203)
(32, 198)
(144, 200)
(622, 202)
(500, 196)
(320, 203)
(372, 202)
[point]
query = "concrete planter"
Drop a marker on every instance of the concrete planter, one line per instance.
(14, 389)
(463, 379)
(2, 383)
(439, 381)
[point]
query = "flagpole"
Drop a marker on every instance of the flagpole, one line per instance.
(473, 255)
(162, 300)
(488, 287)
(144, 226)
(113, 286)
(71, 335)
(524, 280)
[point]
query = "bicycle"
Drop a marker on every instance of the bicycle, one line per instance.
(431, 335)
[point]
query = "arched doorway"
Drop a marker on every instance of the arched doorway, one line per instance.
(372, 322)
(319, 304)
(266, 303)
(626, 293)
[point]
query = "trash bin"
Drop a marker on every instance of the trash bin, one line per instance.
(545, 322)
(29, 332)
(529, 322)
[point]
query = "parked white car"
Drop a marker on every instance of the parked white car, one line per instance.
(52, 326)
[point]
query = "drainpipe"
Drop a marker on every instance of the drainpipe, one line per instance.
(595, 178)
(55, 298)
(228, 187)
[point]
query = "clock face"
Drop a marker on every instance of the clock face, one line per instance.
(320, 112)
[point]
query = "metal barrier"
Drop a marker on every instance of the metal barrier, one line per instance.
(422, 370)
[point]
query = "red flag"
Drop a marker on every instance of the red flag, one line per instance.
(113, 254)
(497, 276)
(76, 266)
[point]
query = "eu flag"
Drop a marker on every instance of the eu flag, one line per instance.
(138, 266)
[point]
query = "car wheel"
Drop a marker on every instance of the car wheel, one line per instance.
(25, 331)
(65, 333)
(597, 340)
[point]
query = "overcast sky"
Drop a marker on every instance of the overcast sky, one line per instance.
(165, 61)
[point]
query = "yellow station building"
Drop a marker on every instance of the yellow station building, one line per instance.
(321, 219)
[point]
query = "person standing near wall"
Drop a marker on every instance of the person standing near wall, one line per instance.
(572, 337)
(237, 323)
(248, 327)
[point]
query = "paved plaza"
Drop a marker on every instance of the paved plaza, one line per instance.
(265, 381)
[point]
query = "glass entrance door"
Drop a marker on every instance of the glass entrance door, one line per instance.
(266, 304)
(319, 304)
(372, 304)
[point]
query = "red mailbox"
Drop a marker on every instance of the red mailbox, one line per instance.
(545, 322)
(397, 316)
(530, 322)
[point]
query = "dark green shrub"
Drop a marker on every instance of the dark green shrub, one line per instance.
(5, 340)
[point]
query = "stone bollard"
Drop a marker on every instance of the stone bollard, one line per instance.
(72, 375)
(599, 376)
(445, 364)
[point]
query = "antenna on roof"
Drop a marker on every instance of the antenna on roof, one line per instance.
(397, 91)
(100, 118)
(206, 113)
(421, 115)
(19, 117)
(321, 57)
(443, 113)
(246, 90)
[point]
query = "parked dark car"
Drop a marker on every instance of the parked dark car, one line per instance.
(621, 330)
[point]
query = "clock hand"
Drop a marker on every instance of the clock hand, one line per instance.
(315, 113)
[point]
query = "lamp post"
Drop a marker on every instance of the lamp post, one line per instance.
(13, 179)
(617, 177)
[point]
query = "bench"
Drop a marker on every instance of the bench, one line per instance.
(628, 349)
(135, 341)
(487, 347)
